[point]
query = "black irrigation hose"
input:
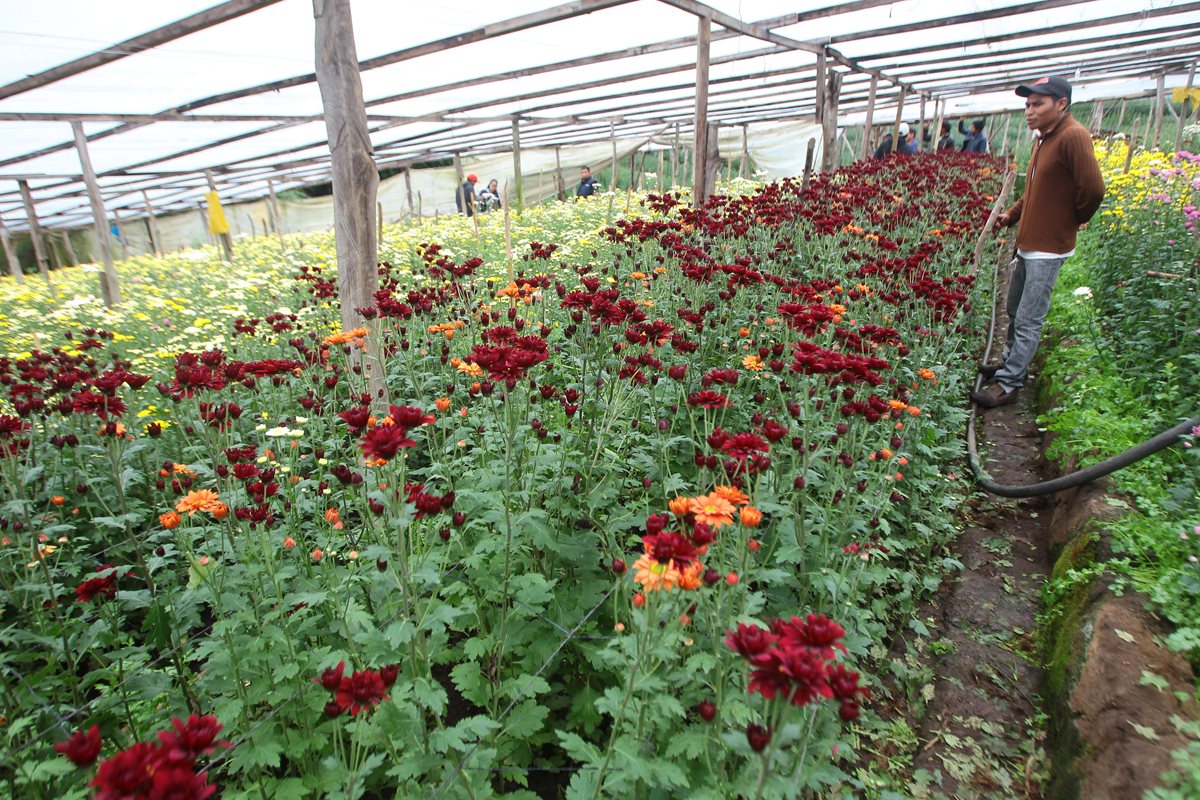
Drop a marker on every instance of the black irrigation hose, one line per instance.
(1136, 453)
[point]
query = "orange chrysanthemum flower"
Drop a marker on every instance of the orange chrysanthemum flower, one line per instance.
(680, 506)
(345, 336)
(442, 404)
(690, 576)
(653, 575)
(927, 374)
(170, 520)
(732, 494)
(753, 363)
(712, 510)
(200, 500)
(751, 516)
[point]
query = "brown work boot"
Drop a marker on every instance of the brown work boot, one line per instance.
(994, 395)
(988, 371)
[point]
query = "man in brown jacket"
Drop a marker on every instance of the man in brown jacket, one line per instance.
(1063, 189)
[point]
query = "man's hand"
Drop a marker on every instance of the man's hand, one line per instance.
(1004, 219)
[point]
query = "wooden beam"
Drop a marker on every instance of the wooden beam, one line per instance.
(35, 229)
(137, 44)
(959, 19)
(703, 11)
(700, 188)
(822, 88)
(832, 91)
(10, 255)
(516, 156)
(110, 286)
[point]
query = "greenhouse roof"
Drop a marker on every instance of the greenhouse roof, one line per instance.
(168, 91)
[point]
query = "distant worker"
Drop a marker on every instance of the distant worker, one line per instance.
(587, 184)
(885, 147)
(976, 141)
(907, 144)
(464, 200)
(1063, 189)
(489, 198)
(947, 141)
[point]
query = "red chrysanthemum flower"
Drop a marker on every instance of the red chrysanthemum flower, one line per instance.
(190, 740)
(362, 691)
(82, 748)
(384, 441)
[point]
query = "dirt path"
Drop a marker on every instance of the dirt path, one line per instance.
(980, 734)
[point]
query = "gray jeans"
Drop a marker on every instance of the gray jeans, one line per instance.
(1029, 287)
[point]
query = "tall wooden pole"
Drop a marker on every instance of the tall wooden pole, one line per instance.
(808, 163)
(559, 185)
(612, 137)
(516, 156)
(899, 119)
(745, 150)
(712, 158)
(460, 178)
(675, 158)
(939, 108)
(273, 207)
(70, 248)
(1121, 116)
(822, 88)
(408, 189)
(700, 187)
(35, 230)
(1183, 118)
(110, 288)
(152, 226)
(833, 90)
(866, 142)
(10, 253)
(921, 126)
(1158, 109)
(225, 238)
(355, 177)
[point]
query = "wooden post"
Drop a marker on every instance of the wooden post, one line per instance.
(1097, 122)
(1121, 116)
(612, 137)
(420, 205)
(70, 248)
(633, 171)
(1183, 118)
(1158, 109)
(225, 239)
(408, 192)
(822, 89)
(1004, 139)
(700, 188)
(516, 155)
(273, 208)
(921, 126)
(10, 253)
(355, 177)
(152, 226)
(866, 142)
(808, 163)
(1129, 153)
(939, 115)
(661, 166)
(35, 230)
(745, 150)
(829, 144)
(899, 119)
(460, 179)
(56, 259)
(675, 158)
(110, 287)
(559, 184)
(378, 222)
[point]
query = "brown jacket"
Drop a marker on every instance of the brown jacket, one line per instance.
(1063, 189)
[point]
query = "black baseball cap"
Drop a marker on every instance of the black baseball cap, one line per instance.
(1052, 86)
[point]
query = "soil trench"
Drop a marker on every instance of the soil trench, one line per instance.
(980, 735)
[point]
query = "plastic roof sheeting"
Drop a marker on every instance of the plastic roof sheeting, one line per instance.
(463, 98)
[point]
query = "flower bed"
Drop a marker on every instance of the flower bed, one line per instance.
(638, 519)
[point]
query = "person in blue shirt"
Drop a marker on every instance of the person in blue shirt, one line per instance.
(587, 184)
(908, 141)
(976, 141)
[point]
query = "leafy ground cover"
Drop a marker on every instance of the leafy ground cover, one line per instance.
(1127, 311)
(638, 517)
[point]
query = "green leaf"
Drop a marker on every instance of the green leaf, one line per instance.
(524, 720)
(1153, 679)
(1145, 731)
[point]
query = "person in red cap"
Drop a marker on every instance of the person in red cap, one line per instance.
(1063, 189)
(465, 198)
